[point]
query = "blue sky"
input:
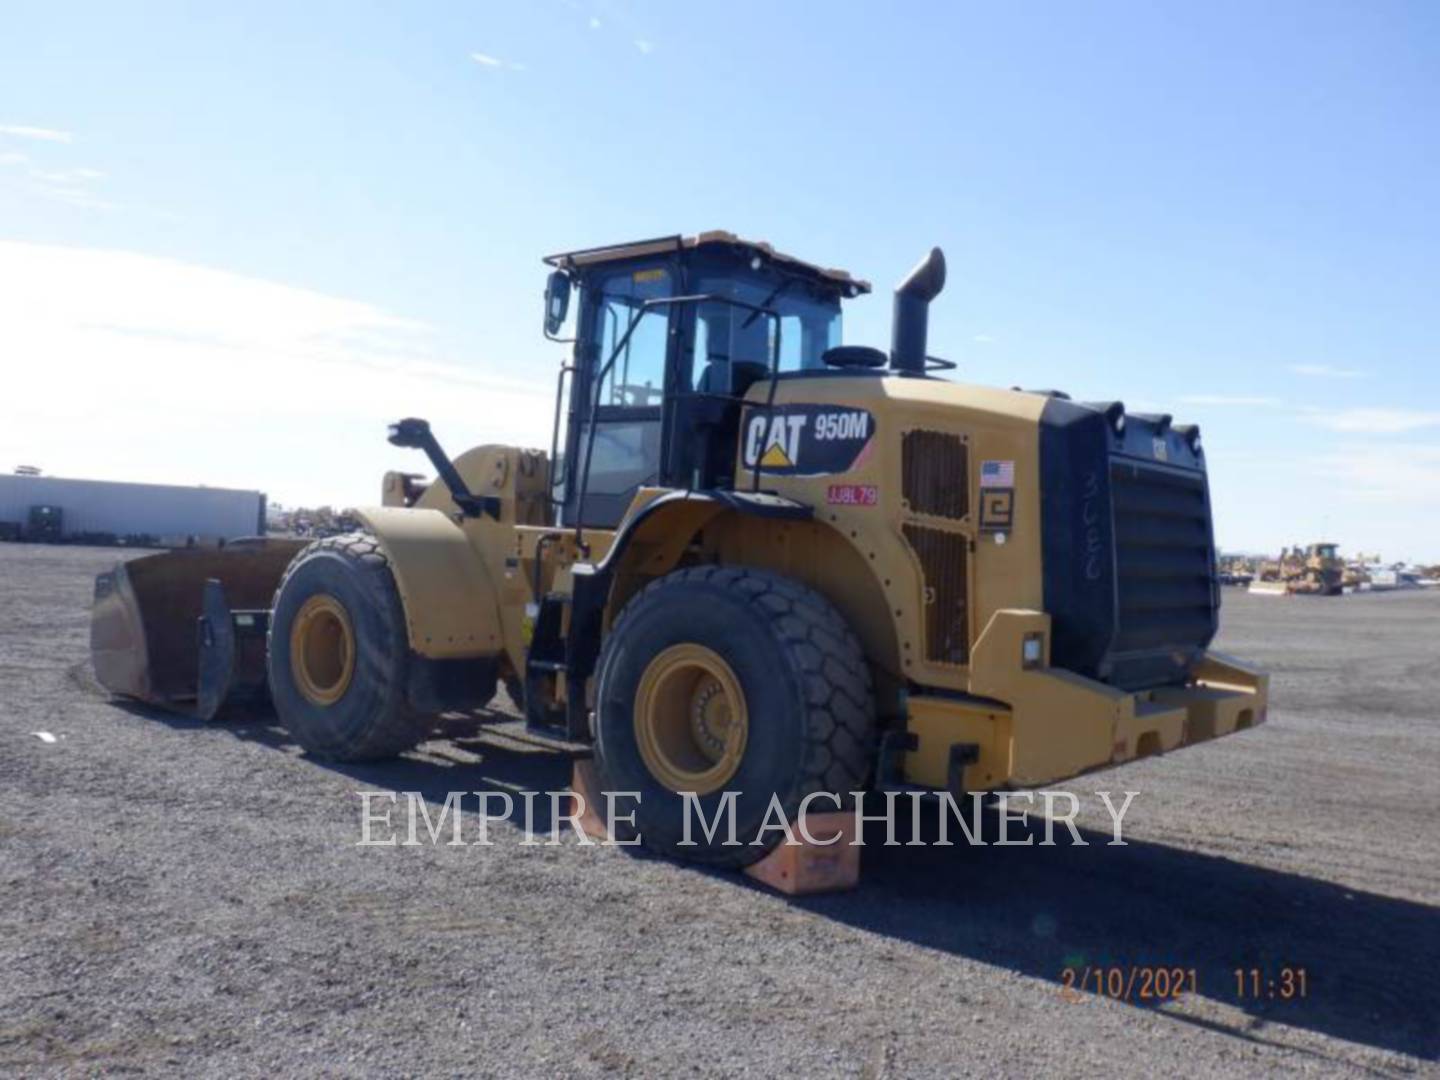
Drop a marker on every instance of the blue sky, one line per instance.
(1223, 211)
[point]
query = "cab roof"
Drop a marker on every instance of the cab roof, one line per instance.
(715, 238)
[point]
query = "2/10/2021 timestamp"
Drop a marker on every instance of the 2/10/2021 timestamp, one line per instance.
(1140, 984)
(1128, 982)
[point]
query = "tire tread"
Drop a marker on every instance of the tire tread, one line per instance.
(829, 663)
(398, 727)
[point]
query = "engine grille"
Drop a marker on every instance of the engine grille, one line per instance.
(935, 473)
(1128, 548)
(1164, 561)
(943, 556)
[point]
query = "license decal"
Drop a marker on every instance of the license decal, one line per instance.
(806, 440)
(852, 495)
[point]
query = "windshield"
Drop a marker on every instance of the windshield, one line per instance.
(733, 341)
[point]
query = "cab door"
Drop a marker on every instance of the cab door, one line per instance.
(620, 394)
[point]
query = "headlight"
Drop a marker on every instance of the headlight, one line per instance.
(1032, 650)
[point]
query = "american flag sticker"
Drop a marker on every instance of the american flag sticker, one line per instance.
(997, 474)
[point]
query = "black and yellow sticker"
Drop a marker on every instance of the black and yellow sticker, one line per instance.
(806, 440)
(997, 509)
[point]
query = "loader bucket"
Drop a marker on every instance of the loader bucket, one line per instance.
(178, 629)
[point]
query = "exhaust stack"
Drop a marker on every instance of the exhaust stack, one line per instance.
(912, 313)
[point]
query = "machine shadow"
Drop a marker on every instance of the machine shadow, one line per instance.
(494, 756)
(1369, 959)
(486, 750)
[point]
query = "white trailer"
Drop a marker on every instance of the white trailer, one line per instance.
(170, 513)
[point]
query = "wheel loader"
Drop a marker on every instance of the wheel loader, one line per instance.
(755, 560)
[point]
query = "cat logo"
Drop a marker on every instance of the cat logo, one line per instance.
(781, 444)
(776, 458)
(806, 440)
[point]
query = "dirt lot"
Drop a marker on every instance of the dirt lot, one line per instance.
(187, 898)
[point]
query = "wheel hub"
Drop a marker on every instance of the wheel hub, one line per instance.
(691, 723)
(710, 718)
(322, 650)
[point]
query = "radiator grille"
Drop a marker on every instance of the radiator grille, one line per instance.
(935, 474)
(943, 562)
(1163, 558)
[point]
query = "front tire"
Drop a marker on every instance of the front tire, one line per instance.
(716, 680)
(338, 653)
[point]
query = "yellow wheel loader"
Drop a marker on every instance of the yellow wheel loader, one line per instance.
(755, 562)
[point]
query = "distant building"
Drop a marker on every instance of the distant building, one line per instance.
(99, 510)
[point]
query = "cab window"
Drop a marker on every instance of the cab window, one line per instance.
(636, 379)
(734, 345)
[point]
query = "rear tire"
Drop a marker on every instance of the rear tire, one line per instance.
(804, 721)
(338, 653)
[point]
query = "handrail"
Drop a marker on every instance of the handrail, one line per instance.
(555, 437)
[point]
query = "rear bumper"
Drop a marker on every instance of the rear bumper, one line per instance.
(1037, 725)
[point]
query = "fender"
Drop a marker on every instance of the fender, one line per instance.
(695, 509)
(451, 606)
(593, 584)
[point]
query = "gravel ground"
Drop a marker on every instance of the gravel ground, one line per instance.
(189, 899)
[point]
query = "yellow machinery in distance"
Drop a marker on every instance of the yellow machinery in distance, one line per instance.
(755, 561)
(1316, 570)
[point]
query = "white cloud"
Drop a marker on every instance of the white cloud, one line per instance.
(23, 131)
(127, 366)
(1228, 400)
(1325, 371)
(1405, 475)
(983, 339)
(1375, 421)
(646, 47)
(74, 196)
(67, 176)
(486, 60)
(71, 186)
(594, 22)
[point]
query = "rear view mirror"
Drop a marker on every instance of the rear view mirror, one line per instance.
(557, 301)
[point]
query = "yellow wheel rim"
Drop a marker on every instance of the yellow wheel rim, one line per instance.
(322, 650)
(691, 723)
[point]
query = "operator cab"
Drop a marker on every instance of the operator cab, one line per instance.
(670, 334)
